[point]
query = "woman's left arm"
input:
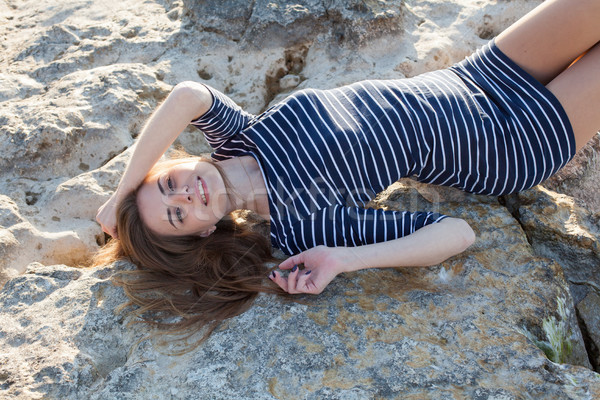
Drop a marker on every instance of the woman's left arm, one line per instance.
(428, 246)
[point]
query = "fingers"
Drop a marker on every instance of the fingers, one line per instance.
(293, 260)
(112, 232)
(107, 222)
(292, 280)
(279, 280)
(305, 284)
(296, 282)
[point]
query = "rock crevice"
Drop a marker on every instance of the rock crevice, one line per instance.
(559, 229)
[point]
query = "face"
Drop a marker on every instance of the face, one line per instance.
(186, 199)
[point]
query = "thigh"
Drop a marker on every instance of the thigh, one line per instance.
(549, 38)
(578, 90)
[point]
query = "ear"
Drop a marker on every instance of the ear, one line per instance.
(207, 232)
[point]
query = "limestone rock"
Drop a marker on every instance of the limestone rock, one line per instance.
(580, 178)
(283, 23)
(50, 227)
(73, 131)
(559, 229)
(438, 332)
(590, 318)
(18, 86)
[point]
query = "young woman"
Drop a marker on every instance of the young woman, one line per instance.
(499, 122)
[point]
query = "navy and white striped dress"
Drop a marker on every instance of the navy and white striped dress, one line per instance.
(484, 126)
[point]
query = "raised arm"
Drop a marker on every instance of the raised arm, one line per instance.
(428, 246)
(186, 102)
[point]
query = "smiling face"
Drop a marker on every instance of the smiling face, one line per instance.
(185, 199)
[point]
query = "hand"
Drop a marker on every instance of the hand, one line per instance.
(321, 265)
(107, 217)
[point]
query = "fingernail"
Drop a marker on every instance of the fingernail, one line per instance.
(273, 273)
(295, 268)
(308, 272)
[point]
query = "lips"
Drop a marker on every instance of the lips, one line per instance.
(201, 190)
(205, 190)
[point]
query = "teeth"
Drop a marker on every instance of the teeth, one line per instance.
(201, 190)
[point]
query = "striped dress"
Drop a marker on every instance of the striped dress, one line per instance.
(483, 125)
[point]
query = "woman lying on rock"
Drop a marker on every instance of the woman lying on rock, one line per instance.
(499, 122)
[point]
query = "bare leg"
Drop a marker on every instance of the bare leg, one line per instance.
(550, 37)
(578, 90)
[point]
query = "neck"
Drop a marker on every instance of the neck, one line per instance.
(249, 190)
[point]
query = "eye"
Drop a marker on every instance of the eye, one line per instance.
(170, 184)
(179, 215)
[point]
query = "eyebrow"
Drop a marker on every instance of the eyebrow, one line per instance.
(169, 216)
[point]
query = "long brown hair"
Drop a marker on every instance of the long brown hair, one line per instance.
(200, 280)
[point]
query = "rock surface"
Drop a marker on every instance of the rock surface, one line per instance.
(78, 79)
(559, 229)
(452, 331)
(580, 177)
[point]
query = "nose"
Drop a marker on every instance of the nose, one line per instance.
(180, 196)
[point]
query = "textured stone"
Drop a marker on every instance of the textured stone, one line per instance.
(379, 333)
(581, 177)
(283, 23)
(559, 229)
(588, 312)
(50, 228)
(67, 132)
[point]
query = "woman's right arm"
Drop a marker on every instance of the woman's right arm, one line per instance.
(186, 102)
(428, 246)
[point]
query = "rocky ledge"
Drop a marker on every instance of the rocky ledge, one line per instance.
(516, 316)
